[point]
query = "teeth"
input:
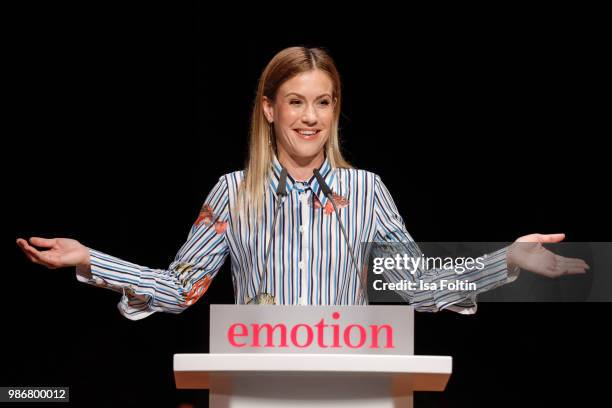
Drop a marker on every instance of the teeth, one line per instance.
(307, 132)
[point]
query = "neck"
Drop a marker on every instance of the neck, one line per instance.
(300, 168)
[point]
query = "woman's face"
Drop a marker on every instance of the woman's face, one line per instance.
(302, 113)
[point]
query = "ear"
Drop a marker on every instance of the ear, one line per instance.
(268, 109)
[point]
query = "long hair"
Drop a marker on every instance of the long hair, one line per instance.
(285, 65)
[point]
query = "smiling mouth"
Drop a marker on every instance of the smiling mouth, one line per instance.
(307, 134)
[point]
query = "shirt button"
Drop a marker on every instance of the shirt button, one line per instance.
(301, 228)
(301, 264)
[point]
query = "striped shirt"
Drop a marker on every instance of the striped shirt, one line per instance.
(309, 256)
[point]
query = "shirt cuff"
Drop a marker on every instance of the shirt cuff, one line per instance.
(107, 271)
(494, 274)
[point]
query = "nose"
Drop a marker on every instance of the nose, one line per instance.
(310, 116)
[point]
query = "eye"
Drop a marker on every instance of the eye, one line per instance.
(295, 102)
(325, 102)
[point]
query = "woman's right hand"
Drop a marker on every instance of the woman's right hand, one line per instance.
(57, 253)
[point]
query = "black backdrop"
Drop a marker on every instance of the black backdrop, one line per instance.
(482, 129)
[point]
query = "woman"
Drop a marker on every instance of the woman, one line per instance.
(298, 254)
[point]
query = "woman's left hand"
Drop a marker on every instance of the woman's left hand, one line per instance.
(528, 253)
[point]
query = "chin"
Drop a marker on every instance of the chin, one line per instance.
(310, 151)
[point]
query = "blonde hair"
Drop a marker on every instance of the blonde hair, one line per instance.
(285, 65)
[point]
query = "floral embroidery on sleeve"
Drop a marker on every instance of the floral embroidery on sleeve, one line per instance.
(197, 290)
(207, 216)
(129, 292)
(183, 270)
(220, 227)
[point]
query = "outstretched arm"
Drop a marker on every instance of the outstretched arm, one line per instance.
(146, 290)
(500, 267)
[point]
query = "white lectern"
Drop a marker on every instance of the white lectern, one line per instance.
(309, 376)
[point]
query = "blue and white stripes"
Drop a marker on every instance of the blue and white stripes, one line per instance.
(309, 257)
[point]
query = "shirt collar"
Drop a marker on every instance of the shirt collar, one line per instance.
(326, 170)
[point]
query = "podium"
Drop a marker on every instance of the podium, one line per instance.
(243, 370)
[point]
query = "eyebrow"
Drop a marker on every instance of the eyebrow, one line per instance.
(302, 96)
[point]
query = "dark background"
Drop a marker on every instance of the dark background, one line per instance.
(483, 129)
